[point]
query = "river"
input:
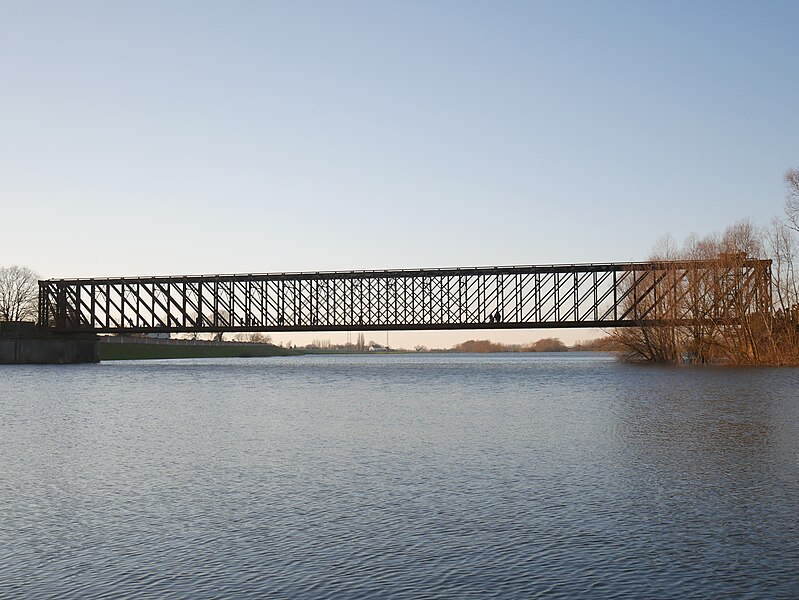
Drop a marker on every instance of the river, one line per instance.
(398, 476)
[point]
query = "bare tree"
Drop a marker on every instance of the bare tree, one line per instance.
(254, 338)
(792, 200)
(19, 293)
(706, 314)
(743, 237)
(656, 343)
(223, 318)
(784, 250)
(784, 326)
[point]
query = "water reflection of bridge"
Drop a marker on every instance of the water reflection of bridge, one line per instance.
(577, 295)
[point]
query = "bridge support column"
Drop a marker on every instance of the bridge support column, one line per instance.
(26, 344)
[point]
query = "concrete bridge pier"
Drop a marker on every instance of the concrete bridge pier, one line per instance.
(23, 343)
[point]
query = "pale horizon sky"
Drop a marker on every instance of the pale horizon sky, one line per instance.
(177, 137)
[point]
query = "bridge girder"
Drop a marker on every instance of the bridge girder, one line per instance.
(514, 297)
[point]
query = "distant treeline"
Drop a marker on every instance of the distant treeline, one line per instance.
(605, 344)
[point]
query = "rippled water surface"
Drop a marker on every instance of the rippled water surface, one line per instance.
(416, 476)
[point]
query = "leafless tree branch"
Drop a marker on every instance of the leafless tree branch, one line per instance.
(792, 198)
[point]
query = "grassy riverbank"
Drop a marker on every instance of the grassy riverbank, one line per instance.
(139, 351)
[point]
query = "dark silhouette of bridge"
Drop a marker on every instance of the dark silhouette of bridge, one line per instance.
(515, 297)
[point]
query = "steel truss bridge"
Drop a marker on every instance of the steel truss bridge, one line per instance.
(515, 297)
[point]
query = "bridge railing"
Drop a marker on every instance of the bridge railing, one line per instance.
(587, 295)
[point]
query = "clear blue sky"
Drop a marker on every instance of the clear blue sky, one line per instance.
(157, 137)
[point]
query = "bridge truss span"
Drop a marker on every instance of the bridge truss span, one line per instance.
(548, 296)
